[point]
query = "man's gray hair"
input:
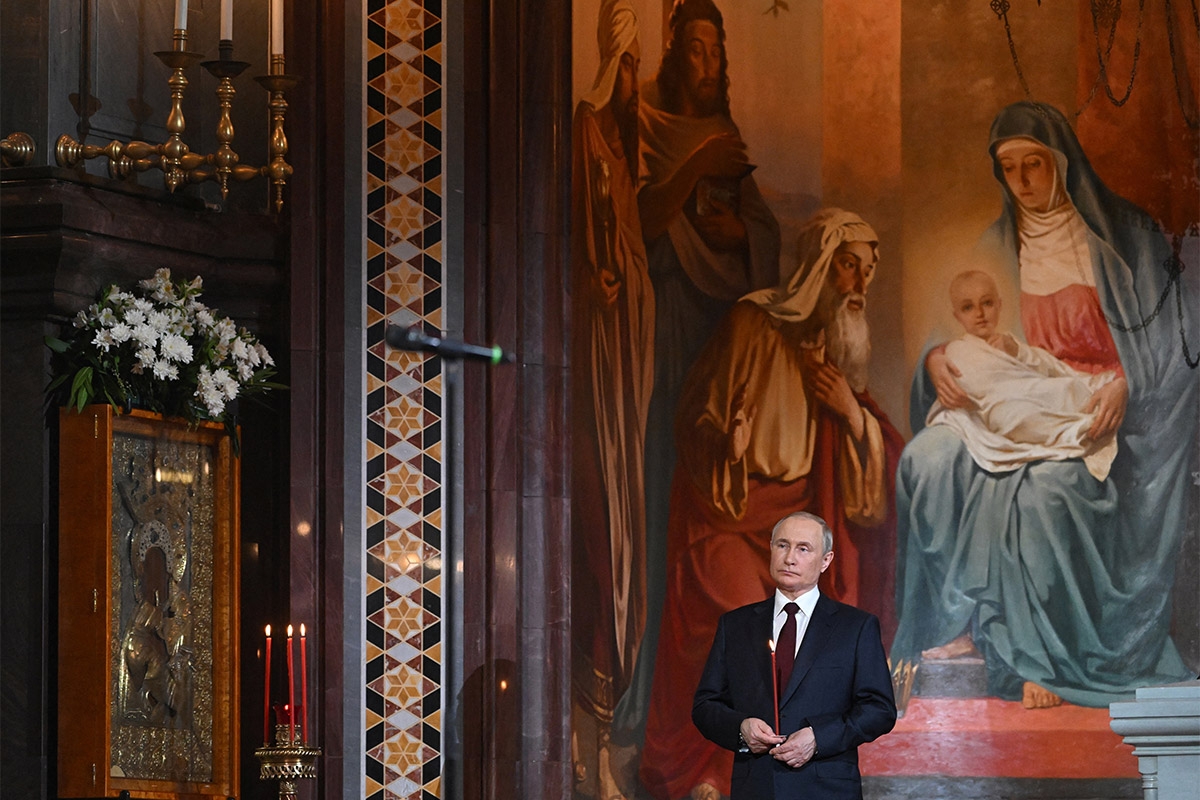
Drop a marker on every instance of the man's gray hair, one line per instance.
(826, 531)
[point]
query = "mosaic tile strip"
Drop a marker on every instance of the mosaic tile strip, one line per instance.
(403, 454)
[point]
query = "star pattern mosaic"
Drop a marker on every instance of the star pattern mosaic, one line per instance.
(403, 583)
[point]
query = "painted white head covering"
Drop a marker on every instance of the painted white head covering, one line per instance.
(1053, 250)
(616, 31)
(1059, 195)
(795, 298)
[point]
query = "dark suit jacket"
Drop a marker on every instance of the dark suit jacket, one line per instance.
(840, 686)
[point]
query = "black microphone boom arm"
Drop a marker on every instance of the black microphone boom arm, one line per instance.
(416, 340)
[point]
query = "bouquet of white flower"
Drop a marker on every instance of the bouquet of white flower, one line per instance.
(158, 347)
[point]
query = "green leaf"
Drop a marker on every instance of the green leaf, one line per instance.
(81, 388)
(83, 379)
(56, 344)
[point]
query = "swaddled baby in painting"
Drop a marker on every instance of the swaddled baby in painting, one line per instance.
(1028, 405)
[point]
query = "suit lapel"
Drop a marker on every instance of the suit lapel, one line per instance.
(815, 637)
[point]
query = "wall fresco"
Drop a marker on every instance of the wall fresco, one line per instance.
(1003, 617)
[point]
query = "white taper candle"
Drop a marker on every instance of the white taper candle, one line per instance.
(277, 27)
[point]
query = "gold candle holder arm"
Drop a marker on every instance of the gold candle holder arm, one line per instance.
(124, 158)
(135, 157)
(198, 169)
(68, 152)
(238, 172)
(17, 149)
(140, 156)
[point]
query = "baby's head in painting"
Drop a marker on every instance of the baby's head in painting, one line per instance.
(975, 302)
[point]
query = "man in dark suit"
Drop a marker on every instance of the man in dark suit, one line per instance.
(831, 678)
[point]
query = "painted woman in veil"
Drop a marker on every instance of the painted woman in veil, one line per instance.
(1061, 581)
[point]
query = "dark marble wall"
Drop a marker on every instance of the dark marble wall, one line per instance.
(312, 536)
(515, 610)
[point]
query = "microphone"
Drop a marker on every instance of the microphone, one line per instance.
(415, 339)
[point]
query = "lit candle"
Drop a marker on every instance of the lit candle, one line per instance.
(267, 692)
(227, 20)
(291, 691)
(774, 682)
(181, 15)
(303, 687)
(277, 27)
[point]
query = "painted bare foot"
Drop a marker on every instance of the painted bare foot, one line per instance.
(962, 646)
(705, 791)
(1037, 697)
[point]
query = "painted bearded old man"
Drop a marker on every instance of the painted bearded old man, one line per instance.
(774, 418)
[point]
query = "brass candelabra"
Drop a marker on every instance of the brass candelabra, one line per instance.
(178, 164)
(287, 760)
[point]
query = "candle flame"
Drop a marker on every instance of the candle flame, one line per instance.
(268, 630)
(289, 630)
(771, 644)
(301, 630)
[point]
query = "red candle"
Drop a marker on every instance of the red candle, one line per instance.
(291, 691)
(774, 682)
(303, 686)
(267, 692)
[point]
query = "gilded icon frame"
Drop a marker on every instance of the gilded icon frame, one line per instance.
(148, 606)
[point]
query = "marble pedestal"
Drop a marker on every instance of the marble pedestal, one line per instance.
(1163, 725)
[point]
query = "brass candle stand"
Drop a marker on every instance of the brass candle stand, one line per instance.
(225, 160)
(287, 761)
(178, 164)
(277, 83)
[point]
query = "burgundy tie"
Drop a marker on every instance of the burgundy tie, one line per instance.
(785, 651)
